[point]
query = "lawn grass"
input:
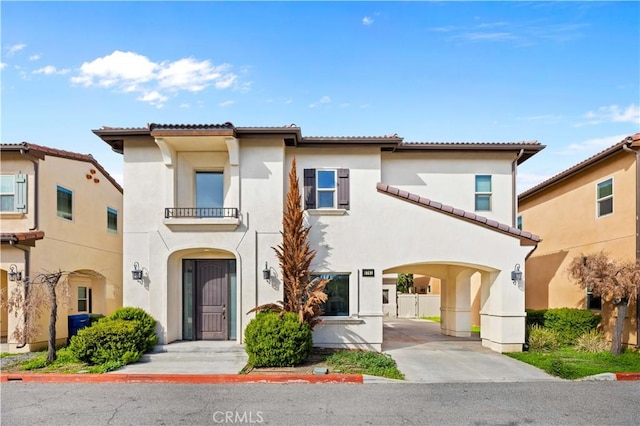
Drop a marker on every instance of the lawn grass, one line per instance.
(360, 362)
(5, 354)
(66, 362)
(568, 363)
(475, 329)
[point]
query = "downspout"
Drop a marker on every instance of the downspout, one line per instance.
(36, 207)
(637, 154)
(27, 266)
(514, 204)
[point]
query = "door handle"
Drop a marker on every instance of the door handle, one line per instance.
(224, 311)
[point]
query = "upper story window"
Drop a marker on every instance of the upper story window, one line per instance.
(483, 193)
(604, 197)
(13, 193)
(112, 220)
(519, 222)
(65, 203)
(209, 189)
(326, 188)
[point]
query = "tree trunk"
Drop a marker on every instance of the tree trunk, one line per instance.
(616, 339)
(51, 353)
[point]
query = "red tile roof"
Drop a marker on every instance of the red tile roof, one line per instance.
(526, 238)
(22, 237)
(40, 151)
(632, 141)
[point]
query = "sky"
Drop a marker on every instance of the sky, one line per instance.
(566, 74)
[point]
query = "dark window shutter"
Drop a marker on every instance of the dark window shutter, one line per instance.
(343, 189)
(21, 193)
(310, 188)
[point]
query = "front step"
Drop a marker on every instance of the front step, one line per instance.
(200, 347)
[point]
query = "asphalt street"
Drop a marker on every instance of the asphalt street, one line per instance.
(544, 403)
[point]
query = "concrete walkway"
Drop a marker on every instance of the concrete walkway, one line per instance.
(425, 355)
(191, 357)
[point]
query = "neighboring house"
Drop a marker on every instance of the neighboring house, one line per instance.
(204, 204)
(60, 211)
(590, 207)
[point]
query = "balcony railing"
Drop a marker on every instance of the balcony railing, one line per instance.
(200, 212)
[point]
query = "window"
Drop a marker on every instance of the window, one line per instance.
(483, 193)
(337, 290)
(65, 203)
(326, 189)
(593, 302)
(385, 297)
(209, 189)
(604, 197)
(112, 220)
(83, 299)
(519, 222)
(13, 193)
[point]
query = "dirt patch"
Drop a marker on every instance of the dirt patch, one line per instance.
(317, 358)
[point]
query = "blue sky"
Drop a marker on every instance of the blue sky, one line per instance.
(564, 73)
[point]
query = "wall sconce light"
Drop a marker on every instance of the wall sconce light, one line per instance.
(516, 274)
(136, 274)
(14, 274)
(266, 272)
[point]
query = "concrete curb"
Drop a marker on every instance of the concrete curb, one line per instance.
(183, 378)
(621, 377)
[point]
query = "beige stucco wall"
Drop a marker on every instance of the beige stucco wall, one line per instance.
(82, 246)
(564, 216)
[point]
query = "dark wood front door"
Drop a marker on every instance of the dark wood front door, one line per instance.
(211, 300)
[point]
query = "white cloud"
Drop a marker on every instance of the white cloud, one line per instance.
(525, 181)
(2, 65)
(288, 101)
(15, 48)
(367, 20)
(323, 100)
(34, 57)
(612, 114)
(130, 72)
(226, 103)
(592, 146)
(185, 106)
(487, 36)
(50, 69)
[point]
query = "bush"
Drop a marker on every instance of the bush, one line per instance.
(535, 317)
(277, 340)
(147, 322)
(543, 339)
(592, 341)
(118, 339)
(570, 323)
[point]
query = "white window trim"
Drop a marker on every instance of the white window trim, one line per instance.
(11, 193)
(73, 202)
(86, 298)
(334, 190)
(598, 200)
(490, 193)
(335, 318)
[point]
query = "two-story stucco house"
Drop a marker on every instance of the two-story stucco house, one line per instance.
(590, 207)
(62, 211)
(203, 209)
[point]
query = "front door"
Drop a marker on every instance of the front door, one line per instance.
(211, 300)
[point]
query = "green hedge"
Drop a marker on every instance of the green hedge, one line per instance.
(535, 317)
(120, 338)
(571, 323)
(277, 340)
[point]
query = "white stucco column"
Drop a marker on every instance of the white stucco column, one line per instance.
(456, 303)
(232, 198)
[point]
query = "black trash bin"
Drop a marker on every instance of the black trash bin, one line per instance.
(77, 322)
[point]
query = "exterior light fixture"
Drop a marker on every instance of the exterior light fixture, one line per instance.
(14, 274)
(266, 272)
(137, 272)
(516, 274)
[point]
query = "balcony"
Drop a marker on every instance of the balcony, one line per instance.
(193, 219)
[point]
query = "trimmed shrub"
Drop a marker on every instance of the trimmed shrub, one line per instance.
(119, 339)
(109, 341)
(147, 323)
(543, 339)
(274, 339)
(535, 317)
(592, 341)
(570, 323)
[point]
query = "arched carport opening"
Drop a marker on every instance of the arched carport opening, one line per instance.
(203, 295)
(462, 290)
(87, 292)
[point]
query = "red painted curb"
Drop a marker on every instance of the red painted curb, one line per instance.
(182, 378)
(627, 377)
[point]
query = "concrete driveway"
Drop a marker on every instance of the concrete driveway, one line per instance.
(425, 355)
